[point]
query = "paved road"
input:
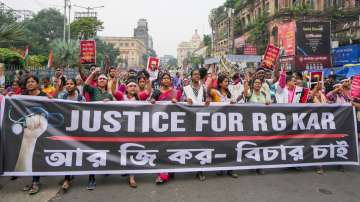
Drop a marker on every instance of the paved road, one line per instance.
(275, 186)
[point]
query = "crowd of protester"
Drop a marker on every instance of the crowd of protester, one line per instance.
(201, 86)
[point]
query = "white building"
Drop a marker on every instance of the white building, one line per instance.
(186, 49)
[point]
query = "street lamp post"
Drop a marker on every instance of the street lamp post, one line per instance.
(64, 36)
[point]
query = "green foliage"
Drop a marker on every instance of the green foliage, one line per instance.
(43, 28)
(10, 34)
(238, 4)
(7, 18)
(196, 60)
(10, 57)
(104, 49)
(301, 9)
(37, 61)
(238, 27)
(85, 28)
(259, 34)
(65, 54)
(230, 3)
(172, 62)
(207, 42)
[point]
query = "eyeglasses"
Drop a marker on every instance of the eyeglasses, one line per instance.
(102, 78)
(166, 78)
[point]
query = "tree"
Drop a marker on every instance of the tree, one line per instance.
(230, 3)
(37, 61)
(197, 60)
(259, 34)
(66, 54)
(85, 28)
(172, 62)
(105, 49)
(207, 42)
(10, 57)
(44, 27)
(7, 17)
(11, 32)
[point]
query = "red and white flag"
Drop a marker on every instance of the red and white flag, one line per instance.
(25, 56)
(50, 61)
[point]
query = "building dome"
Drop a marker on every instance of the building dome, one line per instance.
(196, 39)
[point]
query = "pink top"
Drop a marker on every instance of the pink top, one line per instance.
(122, 88)
(143, 95)
(282, 79)
(291, 95)
(210, 83)
(119, 96)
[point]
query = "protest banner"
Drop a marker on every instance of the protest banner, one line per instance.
(56, 137)
(250, 50)
(313, 45)
(286, 38)
(87, 51)
(270, 57)
(153, 64)
(355, 87)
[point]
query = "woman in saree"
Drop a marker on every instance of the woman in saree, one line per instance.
(166, 92)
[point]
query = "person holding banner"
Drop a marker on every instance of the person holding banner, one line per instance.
(71, 93)
(316, 96)
(14, 89)
(256, 95)
(237, 88)
(339, 94)
(222, 94)
(195, 93)
(113, 80)
(131, 94)
(145, 88)
(99, 93)
(84, 77)
(79, 84)
(32, 89)
(288, 92)
(165, 93)
(329, 83)
(267, 82)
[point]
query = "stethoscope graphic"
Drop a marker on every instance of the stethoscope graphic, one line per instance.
(20, 124)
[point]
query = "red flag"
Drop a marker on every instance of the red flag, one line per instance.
(50, 61)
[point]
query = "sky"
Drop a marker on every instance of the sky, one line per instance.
(170, 21)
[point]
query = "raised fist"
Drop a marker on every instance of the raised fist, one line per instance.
(36, 125)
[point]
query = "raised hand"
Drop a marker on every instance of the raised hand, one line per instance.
(36, 126)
